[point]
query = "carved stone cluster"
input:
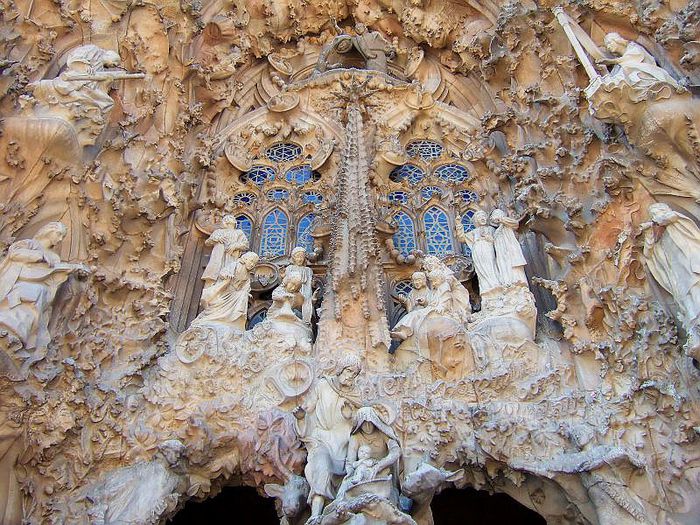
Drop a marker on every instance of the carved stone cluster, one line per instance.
(349, 254)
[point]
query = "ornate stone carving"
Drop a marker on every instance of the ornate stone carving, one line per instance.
(79, 94)
(325, 422)
(671, 248)
(575, 398)
(30, 276)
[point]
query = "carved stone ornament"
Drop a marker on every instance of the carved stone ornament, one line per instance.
(349, 255)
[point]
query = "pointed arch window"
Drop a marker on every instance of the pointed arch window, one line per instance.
(468, 224)
(244, 223)
(304, 238)
(273, 241)
(405, 237)
(438, 237)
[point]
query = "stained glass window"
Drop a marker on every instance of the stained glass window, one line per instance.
(468, 195)
(468, 223)
(244, 198)
(259, 175)
(299, 174)
(283, 152)
(244, 223)
(405, 236)
(278, 194)
(425, 149)
(273, 241)
(453, 173)
(438, 238)
(429, 191)
(259, 317)
(398, 197)
(312, 197)
(304, 238)
(408, 171)
(403, 288)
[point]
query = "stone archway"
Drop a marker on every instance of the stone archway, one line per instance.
(468, 505)
(240, 505)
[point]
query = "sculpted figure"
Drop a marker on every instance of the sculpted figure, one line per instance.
(481, 242)
(447, 295)
(638, 69)
(415, 304)
(80, 93)
(379, 445)
(658, 115)
(363, 468)
(509, 255)
(281, 314)
(141, 493)
(324, 424)
(672, 254)
(225, 300)
(306, 276)
(372, 45)
(228, 243)
(29, 279)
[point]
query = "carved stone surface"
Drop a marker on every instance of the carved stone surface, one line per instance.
(349, 254)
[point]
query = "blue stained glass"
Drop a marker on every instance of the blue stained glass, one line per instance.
(405, 236)
(398, 197)
(304, 238)
(244, 223)
(273, 241)
(278, 194)
(468, 195)
(429, 191)
(425, 149)
(283, 152)
(403, 288)
(299, 174)
(453, 173)
(438, 238)
(468, 223)
(258, 318)
(244, 198)
(259, 174)
(408, 171)
(312, 197)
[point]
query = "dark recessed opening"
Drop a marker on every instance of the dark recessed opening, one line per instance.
(460, 506)
(239, 505)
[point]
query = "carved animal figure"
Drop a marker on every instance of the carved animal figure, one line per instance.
(422, 484)
(291, 497)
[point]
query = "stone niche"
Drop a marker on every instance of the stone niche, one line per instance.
(361, 263)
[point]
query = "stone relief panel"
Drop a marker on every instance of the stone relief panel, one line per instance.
(349, 254)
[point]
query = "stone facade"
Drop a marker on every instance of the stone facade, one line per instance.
(350, 253)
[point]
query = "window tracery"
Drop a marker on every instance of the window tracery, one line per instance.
(245, 224)
(438, 235)
(273, 239)
(405, 236)
(283, 152)
(433, 188)
(412, 173)
(425, 149)
(304, 238)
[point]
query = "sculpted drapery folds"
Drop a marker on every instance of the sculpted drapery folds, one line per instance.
(481, 242)
(386, 142)
(672, 254)
(325, 421)
(306, 276)
(225, 300)
(30, 276)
